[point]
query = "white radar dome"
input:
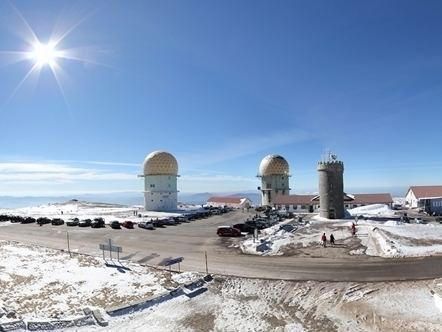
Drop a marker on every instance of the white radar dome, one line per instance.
(160, 163)
(273, 164)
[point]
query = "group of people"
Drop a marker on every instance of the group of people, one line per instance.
(324, 240)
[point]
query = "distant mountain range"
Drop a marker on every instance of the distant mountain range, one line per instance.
(136, 198)
(200, 198)
(125, 198)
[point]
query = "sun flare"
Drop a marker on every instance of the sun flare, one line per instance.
(44, 54)
(49, 55)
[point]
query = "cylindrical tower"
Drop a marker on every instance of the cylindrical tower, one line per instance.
(160, 172)
(274, 174)
(331, 188)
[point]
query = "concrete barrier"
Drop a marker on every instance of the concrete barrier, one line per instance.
(195, 287)
(145, 303)
(99, 318)
(13, 326)
(197, 292)
(60, 324)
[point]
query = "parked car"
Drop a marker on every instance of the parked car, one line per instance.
(146, 225)
(191, 217)
(158, 223)
(169, 222)
(57, 221)
(43, 220)
(115, 224)
(98, 223)
(85, 223)
(28, 220)
(182, 219)
(72, 222)
(128, 224)
(244, 228)
(15, 219)
(228, 231)
(419, 221)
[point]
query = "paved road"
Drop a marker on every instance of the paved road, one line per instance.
(193, 239)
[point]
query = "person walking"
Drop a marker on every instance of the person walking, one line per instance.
(324, 240)
(332, 239)
(353, 229)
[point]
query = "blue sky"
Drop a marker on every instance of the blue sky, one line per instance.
(220, 84)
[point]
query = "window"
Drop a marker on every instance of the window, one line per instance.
(295, 207)
(152, 185)
(287, 207)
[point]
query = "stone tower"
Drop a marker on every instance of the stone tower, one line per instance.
(331, 187)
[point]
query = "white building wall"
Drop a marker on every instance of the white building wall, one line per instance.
(272, 186)
(411, 200)
(160, 192)
(245, 202)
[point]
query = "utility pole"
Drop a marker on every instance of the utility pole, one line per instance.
(69, 247)
(205, 255)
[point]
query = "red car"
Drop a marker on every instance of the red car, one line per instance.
(128, 224)
(228, 231)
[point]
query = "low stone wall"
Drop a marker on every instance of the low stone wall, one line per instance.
(13, 326)
(21, 325)
(60, 324)
(144, 304)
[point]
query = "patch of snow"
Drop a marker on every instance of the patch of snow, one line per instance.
(381, 210)
(438, 301)
(185, 277)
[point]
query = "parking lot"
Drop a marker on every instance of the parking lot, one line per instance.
(140, 245)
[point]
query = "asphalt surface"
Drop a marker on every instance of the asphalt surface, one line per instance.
(192, 240)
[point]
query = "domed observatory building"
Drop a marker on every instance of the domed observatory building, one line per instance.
(160, 172)
(274, 173)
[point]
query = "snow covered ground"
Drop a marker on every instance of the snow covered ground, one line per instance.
(389, 238)
(40, 283)
(236, 304)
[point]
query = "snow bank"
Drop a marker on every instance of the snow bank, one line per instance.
(381, 210)
(393, 239)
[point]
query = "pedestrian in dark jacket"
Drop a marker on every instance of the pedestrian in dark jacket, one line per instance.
(332, 239)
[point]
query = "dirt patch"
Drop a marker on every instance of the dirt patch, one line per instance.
(107, 297)
(200, 322)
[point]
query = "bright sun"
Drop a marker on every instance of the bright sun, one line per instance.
(44, 54)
